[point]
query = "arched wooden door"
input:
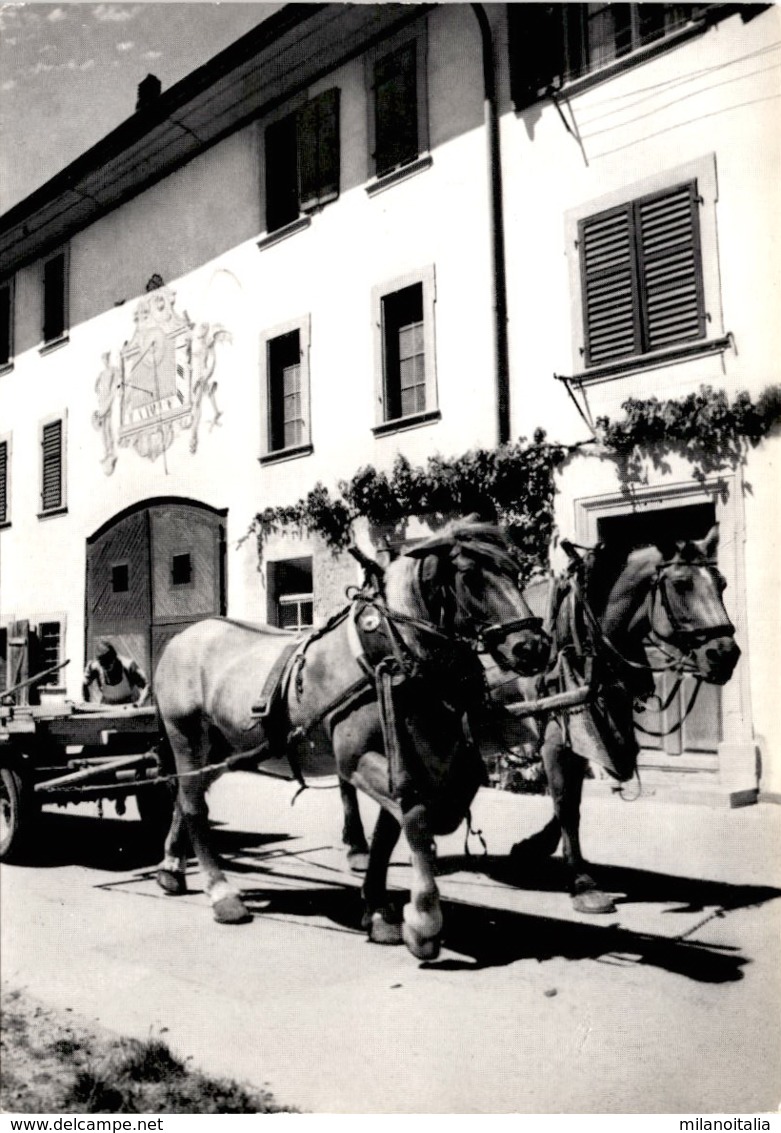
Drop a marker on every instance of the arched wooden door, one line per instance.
(151, 573)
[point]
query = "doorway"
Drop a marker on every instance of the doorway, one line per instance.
(690, 734)
(151, 572)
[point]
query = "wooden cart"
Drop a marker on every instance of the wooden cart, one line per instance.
(66, 753)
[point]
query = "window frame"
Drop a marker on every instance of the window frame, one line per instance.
(190, 582)
(6, 439)
(10, 283)
(550, 75)
(426, 279)
(702, 171)
(62, 507)
(273, 595)
(292, 115)
(416, 34)
(52, 342)
(268, 454)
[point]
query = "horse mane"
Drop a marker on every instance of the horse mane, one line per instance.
(603, 565)
(476, 538)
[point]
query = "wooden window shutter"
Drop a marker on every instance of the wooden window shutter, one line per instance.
(536, 46)
(54, 298)
(51, 480)
(318, 150)
(670, 267)
(3, 481)
(396, 109)
(609, 286)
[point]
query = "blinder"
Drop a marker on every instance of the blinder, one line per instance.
(690, 638)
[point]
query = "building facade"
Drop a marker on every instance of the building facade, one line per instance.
(359, 232)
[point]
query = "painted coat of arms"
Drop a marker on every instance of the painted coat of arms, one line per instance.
(164, 373)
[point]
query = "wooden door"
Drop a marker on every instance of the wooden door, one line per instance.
(118, 589)
(187, 551)
(152, 573)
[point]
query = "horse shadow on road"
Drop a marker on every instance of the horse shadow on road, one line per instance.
(478, 936)
(66, 838)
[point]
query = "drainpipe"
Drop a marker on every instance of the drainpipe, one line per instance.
(496, 223)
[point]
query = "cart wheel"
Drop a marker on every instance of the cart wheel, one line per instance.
(156, 808)
(17, 809)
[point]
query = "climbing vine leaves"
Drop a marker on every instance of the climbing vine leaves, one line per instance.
(514, 484)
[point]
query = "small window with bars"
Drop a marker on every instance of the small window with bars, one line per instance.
(52, 469)
(5, 502)
(641, 276)
(49, 651)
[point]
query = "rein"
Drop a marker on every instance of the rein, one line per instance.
(680, 664)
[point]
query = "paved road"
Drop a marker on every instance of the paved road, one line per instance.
(669, 1005)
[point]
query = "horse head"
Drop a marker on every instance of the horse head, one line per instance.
(468, 577)
(687, 612)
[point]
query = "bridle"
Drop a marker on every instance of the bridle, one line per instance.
(690, 639)
(678, 647)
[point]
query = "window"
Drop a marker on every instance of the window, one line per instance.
(302, 160)
(120, 578)
(52, 466)
(398, 119)
(5, 493)
(290, 593)
(49, 651)
(641, 275)
(181, 569)
(55, 297)
(6, 323)
(285, 390)
(404, 316)
(553, 44)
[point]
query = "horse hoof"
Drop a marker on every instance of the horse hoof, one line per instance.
(593, 901)
(358, 860)
(536, 846)
(421, 947)
(172, 882)
(383, 931)
(231, 910)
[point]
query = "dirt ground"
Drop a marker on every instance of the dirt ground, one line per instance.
(56, 1061)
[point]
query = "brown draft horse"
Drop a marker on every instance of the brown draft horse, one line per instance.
(606, 612)
(384, 687)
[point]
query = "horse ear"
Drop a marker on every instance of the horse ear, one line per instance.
(429, 568)
(432, 546)
(570, 551)
(710, 544)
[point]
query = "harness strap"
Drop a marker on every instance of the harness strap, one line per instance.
(682, 720)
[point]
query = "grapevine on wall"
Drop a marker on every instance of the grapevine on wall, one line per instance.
(514, 484)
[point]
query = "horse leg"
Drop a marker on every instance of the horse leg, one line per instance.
(352, 831)
(382, 929)
(566, 771)
(422, 923)
(188, 739)
(171, 873)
